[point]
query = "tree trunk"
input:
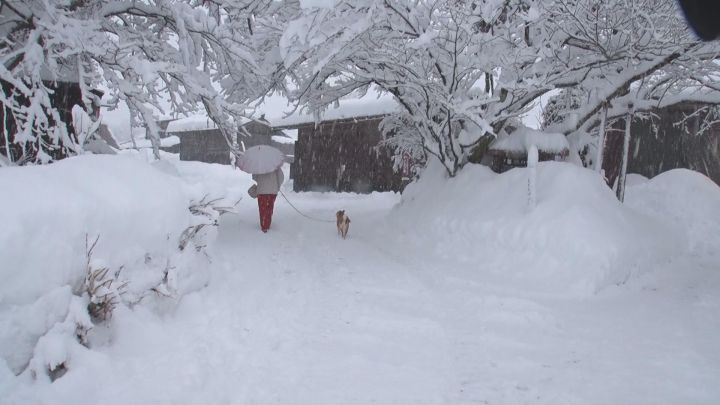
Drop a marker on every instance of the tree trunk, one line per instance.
(625, 158)
(154, 141)
(601, 142)
(612, 152)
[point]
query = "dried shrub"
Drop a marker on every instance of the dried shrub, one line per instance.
(103, 290)
(206, 213)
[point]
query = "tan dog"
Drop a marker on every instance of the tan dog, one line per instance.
(343, 223)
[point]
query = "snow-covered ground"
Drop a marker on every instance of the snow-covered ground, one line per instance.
(454, 293)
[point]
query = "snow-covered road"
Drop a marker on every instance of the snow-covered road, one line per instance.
(299, 316)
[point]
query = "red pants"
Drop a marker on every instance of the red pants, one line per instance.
(266, 202)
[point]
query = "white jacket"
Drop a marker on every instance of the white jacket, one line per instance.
(269, 183)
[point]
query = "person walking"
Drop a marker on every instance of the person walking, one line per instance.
(268, 186)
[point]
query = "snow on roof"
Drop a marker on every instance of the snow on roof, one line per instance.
(146, 143)
(522, 138)
(372, 104)
(169, 141)
(193, 123)
(275, 108)
(291, 133)
(282, 139)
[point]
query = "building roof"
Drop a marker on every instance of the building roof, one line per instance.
(280, 115)
(276, 112)
(193, 123)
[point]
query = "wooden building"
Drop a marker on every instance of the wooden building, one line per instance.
(343, 155)
(678, 136)
(202, 141)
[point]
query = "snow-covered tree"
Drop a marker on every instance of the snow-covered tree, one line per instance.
(438, 60)
(462, 70)
(623, 57)
(626, 54)
(159, 56)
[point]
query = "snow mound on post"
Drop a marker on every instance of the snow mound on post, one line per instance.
(578, 240)
(522, 138)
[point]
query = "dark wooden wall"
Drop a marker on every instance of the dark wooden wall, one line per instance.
(674, 147)
(259, 134)
(207, 145)
(657, 145)
(501, 161)
(343, 156)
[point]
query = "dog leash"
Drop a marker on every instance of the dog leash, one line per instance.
(301, 213)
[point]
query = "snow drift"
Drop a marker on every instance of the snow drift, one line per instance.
(686, 200)
(578, 240)
(138, 210)
(47, 211)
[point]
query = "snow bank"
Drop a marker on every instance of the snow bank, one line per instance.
(211, 179)
(139, 211)
(47, 211)
(687, 200)
(577, 240)
(634, 179)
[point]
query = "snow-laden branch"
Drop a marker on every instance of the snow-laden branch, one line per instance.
(187, 55)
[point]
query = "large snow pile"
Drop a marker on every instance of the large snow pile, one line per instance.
(46, 211)
(577, 240)
(139, 212)
(687, 200)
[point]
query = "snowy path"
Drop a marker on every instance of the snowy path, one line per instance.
(332, 321)
(308, 318)
(299, 316)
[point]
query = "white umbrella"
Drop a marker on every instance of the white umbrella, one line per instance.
(260, 159)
